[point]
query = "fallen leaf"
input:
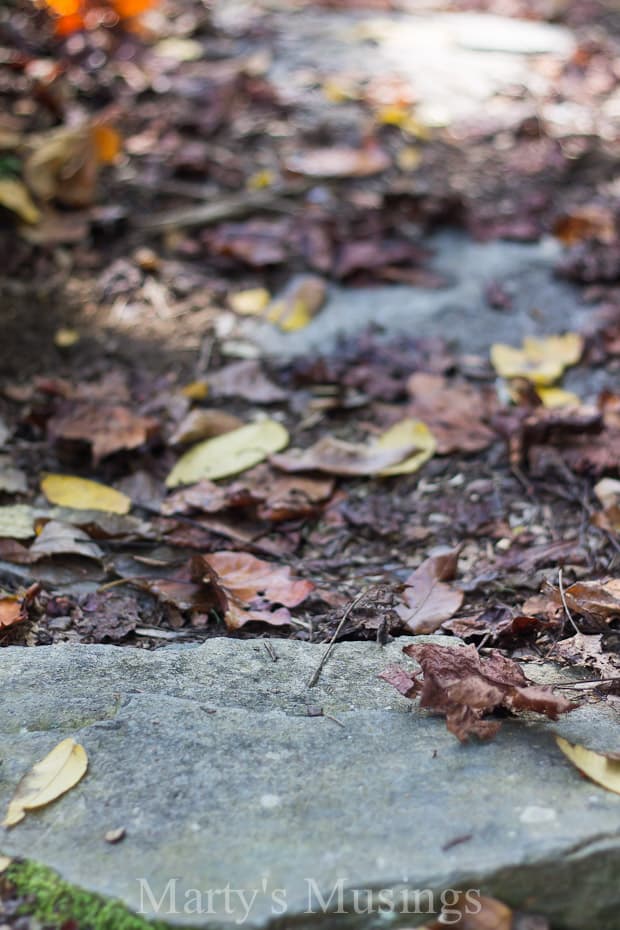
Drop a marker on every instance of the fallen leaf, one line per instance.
(428, 599)
(82, 494)
(108, 428)
(65, 337)
(300, 302)
(473, 911)
(116, 835)
(600, 599)
(601, 768)
(252, 302)
(408, 432)
(557, 397)
(337, 457)
(229, 454)
(248, 587)
(245, 379)
(461, 685)
(456, 413)
(16, 521)
(50, 778)
(14, 607)
(339, 162)
(15, 197)
(587, 222)
(204, 423)
(58, 538)
(586, 651)
(541, 361)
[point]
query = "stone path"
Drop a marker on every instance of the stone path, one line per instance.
(211, 759)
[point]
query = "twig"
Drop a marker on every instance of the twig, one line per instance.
(270, 650)
(586, 681)
(227, 208)
(317, 672)
(564, 604)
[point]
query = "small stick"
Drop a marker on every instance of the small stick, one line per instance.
(565, 605)
(586, 681)
(270, 650)
(317, 672)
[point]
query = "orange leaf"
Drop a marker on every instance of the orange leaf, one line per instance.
(127, 8)
(64, 7)
(107, 143)
(67, 25)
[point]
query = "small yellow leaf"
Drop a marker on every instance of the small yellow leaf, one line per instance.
(65, 337)
(407, 433)
(5, 862)
(59, 771)
(230, 453)
(251, 302)
(598, 767)
(196, 390)
(408, 158)
(15, 197)
(541, 361)
(82, 494)
(557, 397)
(260, 180)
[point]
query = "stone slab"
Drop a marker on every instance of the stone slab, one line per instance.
(210, 758)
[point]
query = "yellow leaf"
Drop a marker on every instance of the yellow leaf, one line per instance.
(195, 390)
(5, 862)
(15, 197)
(65, 337)
(408, 158)
(82, 494)
(251, 302)
(557, 397)
(59, 771)
(260, 180)
(407, 433)
(299, 303)
(541, 361)
(230, 453)
(598, 767)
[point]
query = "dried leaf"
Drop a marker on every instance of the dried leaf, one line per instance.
(14, 607)
(541, 361)
(229, 454)
(477, 912)
(300, 302)
(408, 432)
(337, 457)
(15, 197)
(62, 539)
(600, 768)
(252, 302)
(107, 427)
(600, 599)
(82, 494)
(462, 686)
(50, 778)
(204, 424)
(248, 587)
(428, 599)
(455, 412)
(16, 521)
(339, 162)
(245, 379)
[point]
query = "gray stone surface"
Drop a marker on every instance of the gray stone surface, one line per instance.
(459, 312)
(210, 760)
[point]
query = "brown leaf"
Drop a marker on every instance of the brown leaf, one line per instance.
(108, 428)
(586, 650)
(245, 379)
(456, 413)
(14, 607)
(203, 423)
(339, 162)
(337, 457)
(462, 686)
(428, 600)
(248, 587)
(58, 538)
(597, 598)
(473, 911)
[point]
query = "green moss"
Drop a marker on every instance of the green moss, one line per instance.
(53, 901)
